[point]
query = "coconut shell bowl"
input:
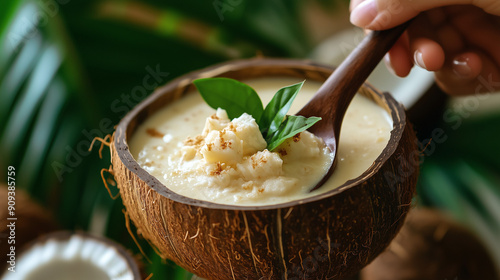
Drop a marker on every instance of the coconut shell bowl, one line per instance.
(328, 236)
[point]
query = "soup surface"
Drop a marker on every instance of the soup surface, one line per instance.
(197, 152)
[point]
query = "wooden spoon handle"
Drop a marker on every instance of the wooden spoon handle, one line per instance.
(339, 89)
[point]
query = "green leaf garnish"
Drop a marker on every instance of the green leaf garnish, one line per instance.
(277, 108)
(289, 128)
(237, 98)
(231, 95)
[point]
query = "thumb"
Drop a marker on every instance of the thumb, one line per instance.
(384, 14)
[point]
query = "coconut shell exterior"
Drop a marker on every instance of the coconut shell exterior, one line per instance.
(329, 236)
(432, 246)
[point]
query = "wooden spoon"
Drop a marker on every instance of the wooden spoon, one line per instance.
(332, 99)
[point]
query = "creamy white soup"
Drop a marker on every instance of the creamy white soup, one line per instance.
(198, 152)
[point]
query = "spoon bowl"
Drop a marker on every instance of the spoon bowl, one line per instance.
(332, 99)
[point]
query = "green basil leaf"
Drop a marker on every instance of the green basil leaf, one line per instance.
(289, 128)
(277, 109)
(238, 98)
(233, 96)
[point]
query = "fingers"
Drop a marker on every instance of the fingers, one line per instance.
(478, 59)
(423, 51)
(398, 59)
(384, 14)
(489, 6)
(479, 30)
(354, 3)
(469, 73)
(460, 74)
(427, 54)
(467, 66)
(466, 34)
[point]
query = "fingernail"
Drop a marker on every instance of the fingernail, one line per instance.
(388, 64)
(461, 67)
(364, 13)
(419, 59)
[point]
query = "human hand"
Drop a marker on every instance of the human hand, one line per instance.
(457, 40)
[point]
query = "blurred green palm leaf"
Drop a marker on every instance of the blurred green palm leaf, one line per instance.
(40, 89)
(462, 178)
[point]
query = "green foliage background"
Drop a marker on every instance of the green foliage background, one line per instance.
(70, 70)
